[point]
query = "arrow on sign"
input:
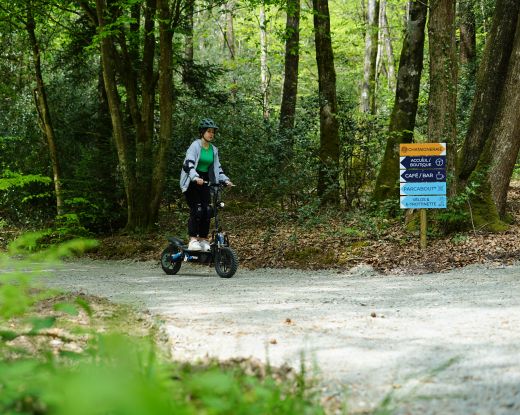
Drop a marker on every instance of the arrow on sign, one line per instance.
(423, 149)
(433, 175)
(423, 162)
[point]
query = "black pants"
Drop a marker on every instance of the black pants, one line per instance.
(198, 198)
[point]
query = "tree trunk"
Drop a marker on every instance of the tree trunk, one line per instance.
(290, 84)
(505, 135)
(116, 113)
(380, 65)
(40, 96)
(369, 66)
(229, 38)
(402, 120)
(442, 103)
(187, 69)
(496, 165)
(484, 19)
(264, 70)
(165, 105)
(468, 38)
(143, 160)
(230, 30)
(490, 80)
(328, 183)
(387, 46)
(467, 60)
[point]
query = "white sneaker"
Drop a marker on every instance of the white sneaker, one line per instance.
(205, 246)
(194, 246)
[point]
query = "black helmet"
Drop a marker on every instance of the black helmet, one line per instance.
(206, 123)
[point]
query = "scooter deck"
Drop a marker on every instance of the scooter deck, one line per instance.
(198, 256)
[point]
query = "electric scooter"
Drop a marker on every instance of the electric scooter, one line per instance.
(221, 255)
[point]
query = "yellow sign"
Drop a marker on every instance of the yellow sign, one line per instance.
(422, 149)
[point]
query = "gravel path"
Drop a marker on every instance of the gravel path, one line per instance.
(434, 344)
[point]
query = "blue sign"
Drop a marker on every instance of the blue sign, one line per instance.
(424, 188)
(423, 162)
(433, 175)
(423, 202)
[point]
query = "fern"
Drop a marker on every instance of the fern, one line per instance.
(12, 179)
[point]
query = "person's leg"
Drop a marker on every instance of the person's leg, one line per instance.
(204, 224)
(193, 198)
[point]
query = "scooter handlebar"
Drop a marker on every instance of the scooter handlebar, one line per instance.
(219, 184)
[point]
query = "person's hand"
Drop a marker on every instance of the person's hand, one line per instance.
(199, 181)
(229, 184)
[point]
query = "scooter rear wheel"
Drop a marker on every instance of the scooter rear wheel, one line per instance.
(169, 266)
(226, 262)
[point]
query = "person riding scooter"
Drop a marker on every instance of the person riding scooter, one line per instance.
(201, 164)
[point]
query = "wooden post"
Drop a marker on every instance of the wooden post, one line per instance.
(423, 228)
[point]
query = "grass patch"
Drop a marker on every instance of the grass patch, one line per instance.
(63, 354)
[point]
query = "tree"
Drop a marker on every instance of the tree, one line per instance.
(495, 166)
(187, 70)
(402, 120)
(467, 61)
(369, 67)
(505, 135)
(328, 186)
(40, 98)
(468, 38)
(442, 102)
(386, 48)
(290, 83)
(24, 16)
(142, 160)
(264, 69)
(230, 43)
(490, 80)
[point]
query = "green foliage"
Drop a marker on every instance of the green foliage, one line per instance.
(125, 376)
(458, 213)
(11, 179)
(270, 168)
(516, 171)
(117, 374)
(362, 143)
(24, 198)
(17, 289)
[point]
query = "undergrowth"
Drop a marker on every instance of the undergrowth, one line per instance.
(109, 372)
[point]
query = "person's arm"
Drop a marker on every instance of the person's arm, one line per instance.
(221, 175)
(189, 163)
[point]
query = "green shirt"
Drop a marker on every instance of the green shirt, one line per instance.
(205, 159)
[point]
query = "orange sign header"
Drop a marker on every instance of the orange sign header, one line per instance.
(422, 149)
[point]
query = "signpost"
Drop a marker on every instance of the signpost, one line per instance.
(423, 179)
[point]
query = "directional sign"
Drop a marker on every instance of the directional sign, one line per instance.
(427, 188)
(423, 202)
(422, 149)
(423, 162)
(432, 175)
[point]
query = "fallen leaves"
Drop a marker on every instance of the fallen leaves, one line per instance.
(269, 238)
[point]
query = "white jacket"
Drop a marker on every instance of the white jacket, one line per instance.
(191, 161)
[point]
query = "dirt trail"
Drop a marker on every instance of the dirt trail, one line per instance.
(435, 343)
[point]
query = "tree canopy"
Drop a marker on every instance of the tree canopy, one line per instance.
(103, 97)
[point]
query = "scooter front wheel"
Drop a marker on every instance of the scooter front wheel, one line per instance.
(226, 262)
(168, 265)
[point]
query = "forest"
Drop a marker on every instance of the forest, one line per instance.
(100, 100)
